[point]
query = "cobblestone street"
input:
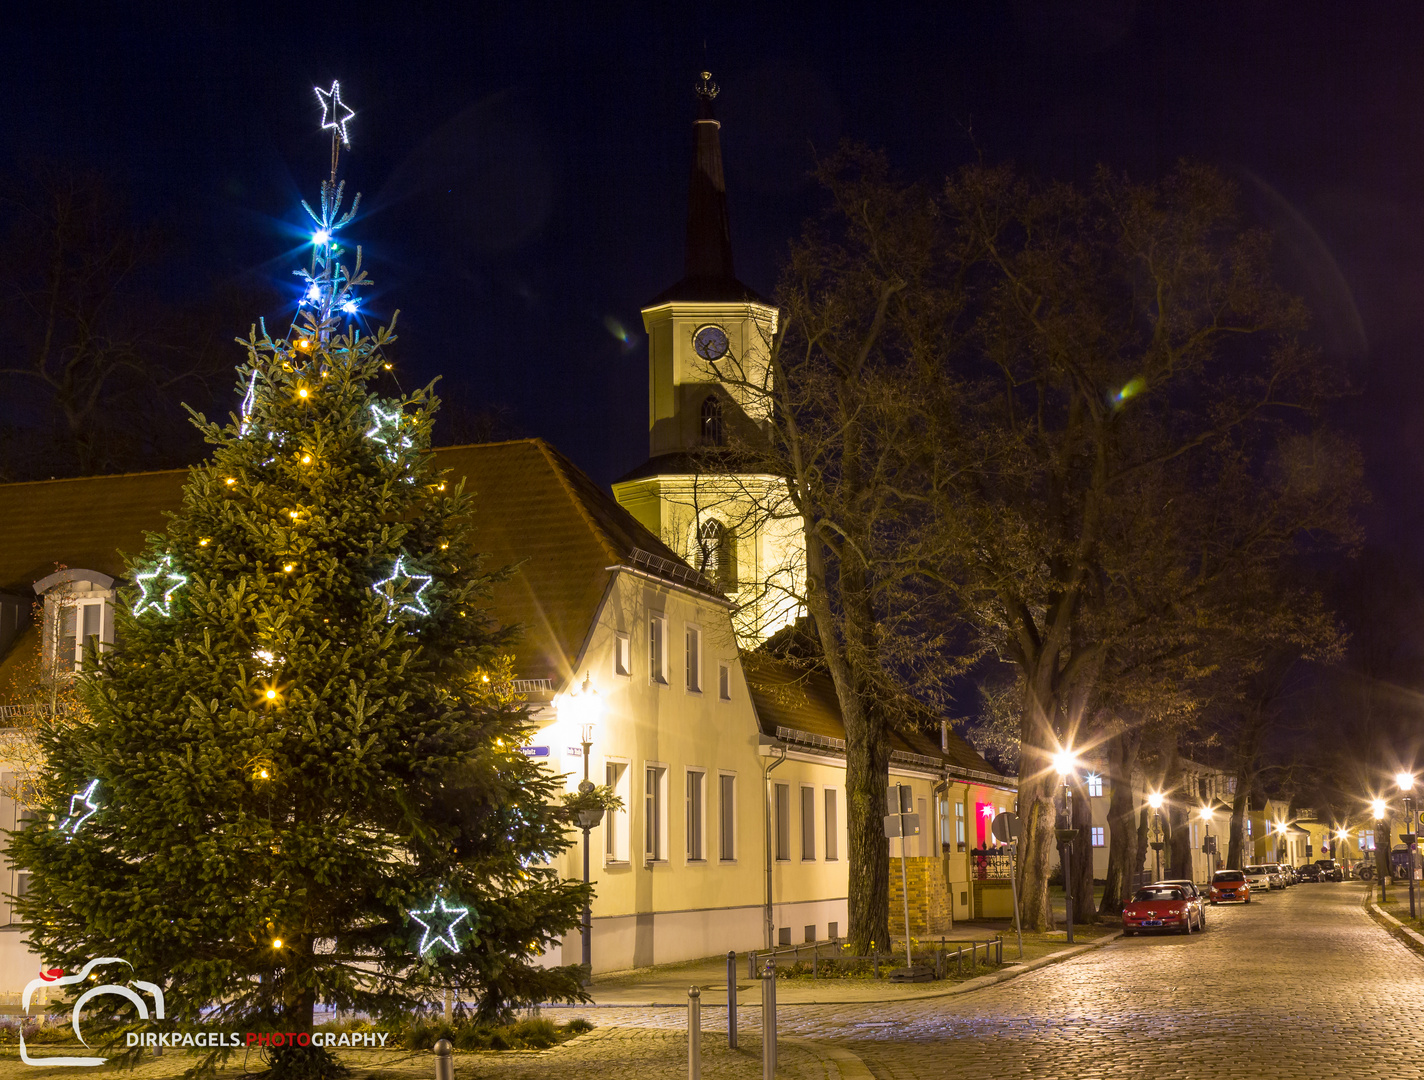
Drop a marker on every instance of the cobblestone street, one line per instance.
(1300, 983)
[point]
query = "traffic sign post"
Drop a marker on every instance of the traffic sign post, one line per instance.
(902, 821)
(1005, 829)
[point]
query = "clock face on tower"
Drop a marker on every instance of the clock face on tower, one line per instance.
(710, 343)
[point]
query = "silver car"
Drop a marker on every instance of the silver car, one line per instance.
(1263, 877)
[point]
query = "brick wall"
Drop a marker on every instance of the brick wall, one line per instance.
(930, 911)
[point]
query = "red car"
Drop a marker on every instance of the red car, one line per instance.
(1230, 885)
(1163, 907)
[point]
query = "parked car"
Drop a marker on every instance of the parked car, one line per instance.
(1191, 889)
(1330, 870)
(1308, 872)
(1261, 879)
(1283, 871)
(1228, 885)
(1164, 906)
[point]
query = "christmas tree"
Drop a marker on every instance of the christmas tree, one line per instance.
(299, 774)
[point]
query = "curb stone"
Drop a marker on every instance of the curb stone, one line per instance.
(965, 987)
(847, 1065)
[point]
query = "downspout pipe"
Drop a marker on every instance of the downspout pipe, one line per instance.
(767, 769)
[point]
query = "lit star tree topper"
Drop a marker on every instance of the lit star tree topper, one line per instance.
(157, 586)
(335, 113)
(402, 591)
(439, 925)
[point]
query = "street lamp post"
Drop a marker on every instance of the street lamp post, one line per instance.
(1281, 849)
(581, 704)
(1065, 763)
(1205, 814)
(1341, 849)
(1154, 800)
(1379, 809)
(1406, 784)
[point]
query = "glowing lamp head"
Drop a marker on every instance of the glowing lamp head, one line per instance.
(1155, 800)
(580, 706)
(1378, 807)
(321, 236)
(1405, 781)
(1204, 813)
(1280, 828)
(1064, 763)
(1341, 834)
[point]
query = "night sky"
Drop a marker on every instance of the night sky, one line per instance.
(524, 167)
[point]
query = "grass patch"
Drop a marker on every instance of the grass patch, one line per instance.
(535, 1033)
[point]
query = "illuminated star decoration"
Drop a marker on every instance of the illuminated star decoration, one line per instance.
(75, 819)
(248, 401)
(446, 920)
(157, 586)
(386, 431)
(396, 591)
(335, 114)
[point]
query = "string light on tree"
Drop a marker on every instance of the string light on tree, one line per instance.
(396, 591)
(157, 586)
(70, 825)
(439, 926)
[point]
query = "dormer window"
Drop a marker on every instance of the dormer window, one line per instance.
(712, 431)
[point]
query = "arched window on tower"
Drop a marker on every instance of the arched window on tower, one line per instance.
(718, 546)
(712, 433)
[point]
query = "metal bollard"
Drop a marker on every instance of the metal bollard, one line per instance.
(732, 1000)
(768, 1022)
(694, 1034)
(444, 1063)
(959, 960)
(973, 956)
(751, 965)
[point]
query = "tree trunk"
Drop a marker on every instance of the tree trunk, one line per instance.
(1123, 861)
(1143, 829)
(1234, 849)
(1038, 844)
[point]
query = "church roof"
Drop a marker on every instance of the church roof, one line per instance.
(532, 507)
(708, 274)
(798, 706)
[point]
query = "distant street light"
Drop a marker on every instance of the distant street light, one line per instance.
(1281, 844)
(1065, 763)
(582, 706)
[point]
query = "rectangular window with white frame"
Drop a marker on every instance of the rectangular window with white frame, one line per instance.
(808, 823)
(657, 649)
(692, 659)
(783, 822)
(654, 813)
(615, 822)
(724, 682)
(959, 826)
(622, 654)
(833, 826)
(1095, 786)
(727, 817)
(76, 624)
(696, 805)
(1099, 839)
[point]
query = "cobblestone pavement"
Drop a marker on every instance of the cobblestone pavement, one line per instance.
(1301, 983)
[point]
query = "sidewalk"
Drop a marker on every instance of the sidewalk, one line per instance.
(667, 985)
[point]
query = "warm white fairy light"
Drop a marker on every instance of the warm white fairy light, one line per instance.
(430, 920)
(157, 586)
(397, 593)
(335, 113)
(85, 798)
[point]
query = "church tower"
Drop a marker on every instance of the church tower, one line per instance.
(709, 340)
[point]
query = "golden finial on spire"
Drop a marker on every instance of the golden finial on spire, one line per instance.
(706, 87)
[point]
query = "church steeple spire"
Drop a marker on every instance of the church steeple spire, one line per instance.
(708, 274)
(709, 235)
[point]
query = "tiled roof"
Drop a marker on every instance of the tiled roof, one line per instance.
(800, 707)
(532, 506)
